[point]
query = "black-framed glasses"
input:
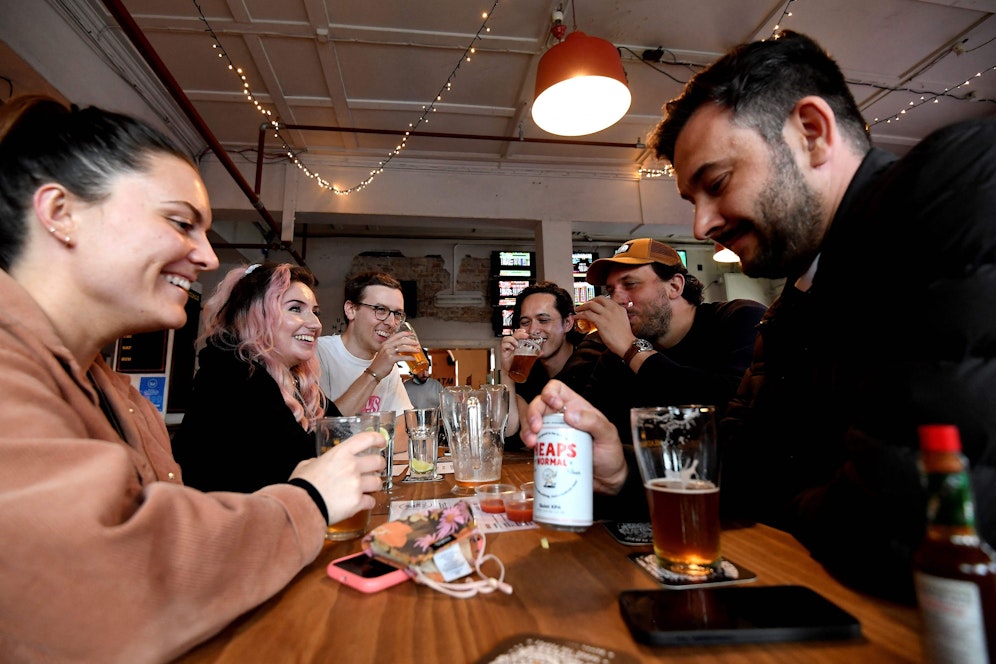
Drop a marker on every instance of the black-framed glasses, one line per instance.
(380, 313)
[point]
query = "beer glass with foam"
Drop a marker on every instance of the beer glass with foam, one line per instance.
(677, 453)
(526, 353)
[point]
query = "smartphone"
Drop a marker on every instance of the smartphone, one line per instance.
(365, 573)
(734, 615)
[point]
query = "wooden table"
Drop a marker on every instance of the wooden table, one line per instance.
(569, 590)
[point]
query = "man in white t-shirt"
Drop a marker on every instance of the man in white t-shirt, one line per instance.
(359, 366)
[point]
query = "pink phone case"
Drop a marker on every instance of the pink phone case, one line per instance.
(365, 573)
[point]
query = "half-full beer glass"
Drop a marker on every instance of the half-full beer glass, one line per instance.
(329, 432)
(526, 353)
(418, 362)
(679, 464)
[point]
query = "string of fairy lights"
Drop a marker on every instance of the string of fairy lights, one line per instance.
(925, 98)
(929, 99)
(667, 171)
(430, 108)
(786, 13)
(427, 109)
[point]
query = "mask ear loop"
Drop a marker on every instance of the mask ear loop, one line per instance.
(467, 589)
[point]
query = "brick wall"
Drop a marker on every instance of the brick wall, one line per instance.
(432, 277)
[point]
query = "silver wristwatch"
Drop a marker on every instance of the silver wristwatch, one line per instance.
(639, 346)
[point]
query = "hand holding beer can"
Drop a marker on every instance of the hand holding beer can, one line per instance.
(562, 488)
(677, 453)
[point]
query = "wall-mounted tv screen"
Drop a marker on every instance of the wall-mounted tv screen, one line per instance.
(501, 321)
(513, 264)
(581, 261)
(510, 288)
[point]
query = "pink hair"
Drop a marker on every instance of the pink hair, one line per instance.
(240, 315)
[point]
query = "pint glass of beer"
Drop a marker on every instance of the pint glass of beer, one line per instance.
(677, 453)
(526, 354)
(418, 362)
(329, 432)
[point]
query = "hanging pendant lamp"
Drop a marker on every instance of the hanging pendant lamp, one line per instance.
(580, 87)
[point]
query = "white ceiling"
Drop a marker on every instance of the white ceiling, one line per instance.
(374, 64)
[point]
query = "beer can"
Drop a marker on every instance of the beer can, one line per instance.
(562, 495)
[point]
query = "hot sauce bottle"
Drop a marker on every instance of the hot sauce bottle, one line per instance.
(954, 569)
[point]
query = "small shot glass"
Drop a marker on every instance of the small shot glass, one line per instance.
(490, 496)
(519, 505)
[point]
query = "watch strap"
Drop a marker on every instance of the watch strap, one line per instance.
(634, 349)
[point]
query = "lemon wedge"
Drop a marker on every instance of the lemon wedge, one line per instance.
(420, 466)
(384, 432)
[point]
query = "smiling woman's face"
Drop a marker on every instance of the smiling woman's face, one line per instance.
(295, 334)
(137, 250)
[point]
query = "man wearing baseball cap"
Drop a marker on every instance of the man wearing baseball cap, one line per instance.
(657, 342)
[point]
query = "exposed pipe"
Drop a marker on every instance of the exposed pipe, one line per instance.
(475, 137)
(144, 47)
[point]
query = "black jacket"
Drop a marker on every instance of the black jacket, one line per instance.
(238, 434)
(705, 367)
(898, 329)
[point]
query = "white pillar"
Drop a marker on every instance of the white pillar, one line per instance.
(553, 253)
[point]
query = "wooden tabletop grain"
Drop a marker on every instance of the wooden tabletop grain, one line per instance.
(568, 590)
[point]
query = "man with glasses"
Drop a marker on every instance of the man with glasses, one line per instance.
(360, 366)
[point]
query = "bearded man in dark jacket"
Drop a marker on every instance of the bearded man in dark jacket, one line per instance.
(888, 317)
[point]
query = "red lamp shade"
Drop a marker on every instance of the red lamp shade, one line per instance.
(580, 87)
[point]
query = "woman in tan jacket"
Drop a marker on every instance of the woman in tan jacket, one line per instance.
(107, 556)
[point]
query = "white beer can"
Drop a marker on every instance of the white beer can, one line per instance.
(562, 495)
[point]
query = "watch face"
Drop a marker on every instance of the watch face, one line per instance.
(643, 344)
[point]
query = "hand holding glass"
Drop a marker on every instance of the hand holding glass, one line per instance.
(677, 454)
(526, 353)
(384, 422)
(418, 362)
(329, 432)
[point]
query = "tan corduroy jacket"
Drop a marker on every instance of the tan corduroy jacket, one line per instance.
(104, 555)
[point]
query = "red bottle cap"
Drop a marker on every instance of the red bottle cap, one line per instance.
(939, 438)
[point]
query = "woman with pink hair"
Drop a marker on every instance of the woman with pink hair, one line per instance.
(255, 397)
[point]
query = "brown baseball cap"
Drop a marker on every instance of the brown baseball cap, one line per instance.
(643, 251)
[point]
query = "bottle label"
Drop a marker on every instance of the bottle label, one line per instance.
(949, 499)
(952, 620)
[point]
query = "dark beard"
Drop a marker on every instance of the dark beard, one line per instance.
(657, 325)
(791, 211)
